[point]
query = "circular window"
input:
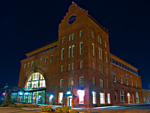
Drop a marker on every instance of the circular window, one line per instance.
(72, 19)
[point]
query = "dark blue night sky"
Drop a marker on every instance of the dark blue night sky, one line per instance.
(26, 25)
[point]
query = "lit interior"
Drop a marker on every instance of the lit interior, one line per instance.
(81, 94)
(94, 97)
(36, 80)
(60, 97)
(102, 98)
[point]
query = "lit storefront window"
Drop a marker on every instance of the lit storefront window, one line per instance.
(60, 97)
(102, 98)
(81, 94)
(108, 98)
(36, 80)
(94, 97)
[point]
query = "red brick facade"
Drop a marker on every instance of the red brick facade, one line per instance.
(99, 67)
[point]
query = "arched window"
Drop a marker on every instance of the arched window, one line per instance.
(62, 54)
(121, 96)
(35, 80)
(81, 48)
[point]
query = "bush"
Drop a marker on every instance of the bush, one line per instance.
(4, 104)
(65, 109)
(21, 105)
(46, 109)
(12, 105)
(73, 111)
(58, 109)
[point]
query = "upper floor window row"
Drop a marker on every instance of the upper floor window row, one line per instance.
(123, 66)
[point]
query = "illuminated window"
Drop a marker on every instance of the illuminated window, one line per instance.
(41, 61)
(121, 96)
(32, 64)
(69, 53)
(81, 33)
(93, 51)
(106, 57)
(72, 66)
(115, 96)
(93, 65)
(108, 98)
(81, 64)
(101, 54)
(70, 37)
(137, 97)
(62, 54)
(51, 59)
(94, 97)
(70, 82)
(101, 83)
(121, 79)
(81, 48)
(24, 66)
(114, 77)
(92, 34)
(61, 83)
(81, 81)
(102, 98)
(60, 97)
(51, 98)
(73, 50)
(35, 80)
(73, 36)
(81, 94)
(63, 40)
(93, 81)
(45, 60)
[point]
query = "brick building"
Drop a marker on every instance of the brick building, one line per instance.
(78, 65)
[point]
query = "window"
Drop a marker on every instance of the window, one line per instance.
(81, 94)
(72, 66)
(92, 34)
(62, 54)
(62, 68)
(108, 98)
(41, 62)
(93, 53)
(45, 60)
(93, 81)
(93, 65)
(81, 48)
(63, 40)
(137, 97)
(81, 64)
(114, 77)
(69, 67)
(60, 97)
(73, 36)
(70, 37)
(121, 79)
(28, 64)
(105, 45)
(73, 50)
(69, 53)
(121, 96)
(131, 81)
(107, 85)
(100, 41)
(115, 96)
(136, 83)
(51, 59)
(61, 83)
(81, 33)
(94, 97)
(81, 81)
(32, 64)
(107, 71)
(106, 57)
(101, 54)
(70, 82)
(101, 68)
(102, 98)
(126, 78)
(35, 81)
(24, 66)
(101, 84)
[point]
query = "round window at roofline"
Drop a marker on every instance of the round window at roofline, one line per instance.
(71, 19)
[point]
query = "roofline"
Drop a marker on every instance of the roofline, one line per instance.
(106, 30)
(125, 62)
(42, 48)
